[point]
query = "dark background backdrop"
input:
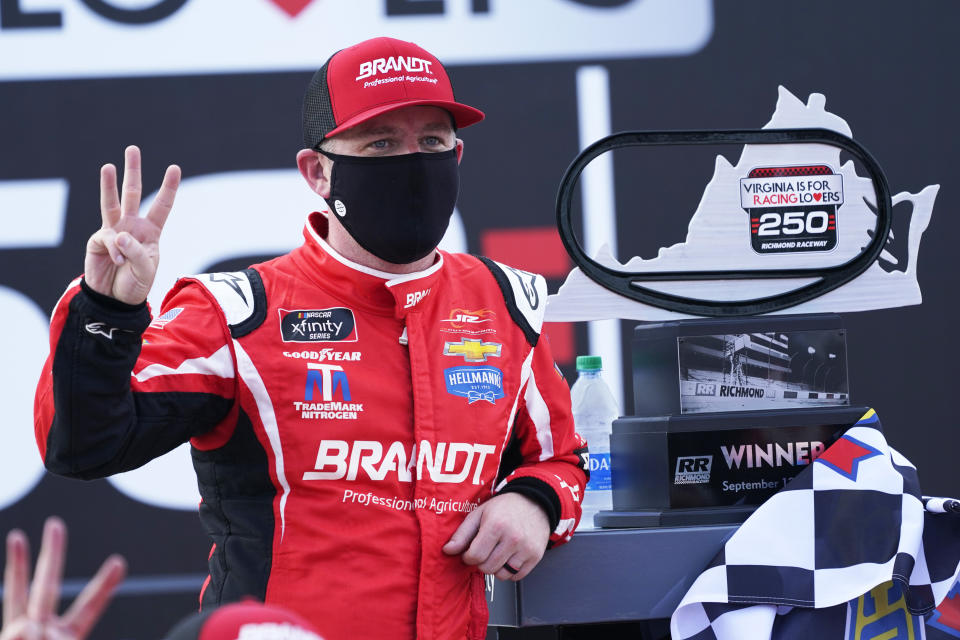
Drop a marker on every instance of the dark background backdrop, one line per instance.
(888, 68)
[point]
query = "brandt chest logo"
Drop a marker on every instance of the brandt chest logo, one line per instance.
(318, 325)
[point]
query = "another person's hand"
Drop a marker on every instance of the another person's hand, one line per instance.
(122, 256)
(32, 614)
(505, 536)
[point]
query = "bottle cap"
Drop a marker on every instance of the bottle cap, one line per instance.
(589, 363)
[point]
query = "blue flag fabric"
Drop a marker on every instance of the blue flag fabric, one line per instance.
(848, 549)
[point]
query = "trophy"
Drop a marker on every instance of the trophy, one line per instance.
(739, 362)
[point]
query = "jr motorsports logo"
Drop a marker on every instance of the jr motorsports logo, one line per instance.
(469, 321)
(693, 469)
(318, 325)
(792, 209)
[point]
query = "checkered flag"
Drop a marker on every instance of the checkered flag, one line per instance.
(851, 530)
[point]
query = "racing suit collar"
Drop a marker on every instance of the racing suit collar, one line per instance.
(377, 291)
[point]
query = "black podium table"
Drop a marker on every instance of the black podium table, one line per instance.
(608, 575)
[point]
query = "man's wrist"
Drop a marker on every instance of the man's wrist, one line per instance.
(540, 493)
(108, 301)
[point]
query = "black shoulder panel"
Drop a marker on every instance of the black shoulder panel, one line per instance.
(259, 305)
(510, 299)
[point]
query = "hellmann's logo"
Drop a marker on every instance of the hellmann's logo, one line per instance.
(393, 63)
(751, 456)
(443, 462)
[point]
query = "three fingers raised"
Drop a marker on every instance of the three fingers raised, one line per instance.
(115, 205)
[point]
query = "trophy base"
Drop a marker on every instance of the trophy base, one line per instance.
(683, 468)
(673, 517)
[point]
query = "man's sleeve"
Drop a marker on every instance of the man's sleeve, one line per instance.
(551, 455)
(119, 389)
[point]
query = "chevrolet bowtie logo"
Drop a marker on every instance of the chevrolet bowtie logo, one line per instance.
(472, 350)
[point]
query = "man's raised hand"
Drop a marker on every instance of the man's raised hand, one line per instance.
(122, 256)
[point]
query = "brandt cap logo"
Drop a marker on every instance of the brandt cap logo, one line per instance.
(318, 325)
(394, 63)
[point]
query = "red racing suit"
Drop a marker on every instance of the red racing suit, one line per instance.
(343, 422)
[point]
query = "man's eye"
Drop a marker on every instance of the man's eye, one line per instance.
(379, 144)
(432, 141)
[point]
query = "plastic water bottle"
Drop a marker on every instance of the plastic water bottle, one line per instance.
(594, 411)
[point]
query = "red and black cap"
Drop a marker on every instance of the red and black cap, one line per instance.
(248, 620)
(374, 77)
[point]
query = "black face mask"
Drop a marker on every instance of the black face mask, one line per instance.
(395, 207)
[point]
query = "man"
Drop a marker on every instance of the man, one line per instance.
(375, 423)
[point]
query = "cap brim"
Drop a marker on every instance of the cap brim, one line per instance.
(463, 115)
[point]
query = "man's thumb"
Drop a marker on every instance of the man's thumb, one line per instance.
(461, 538)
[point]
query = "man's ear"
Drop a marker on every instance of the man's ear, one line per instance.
(315, 169)
(459, 150)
